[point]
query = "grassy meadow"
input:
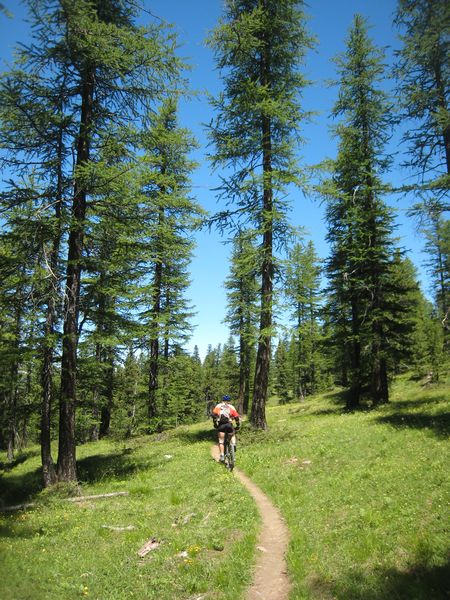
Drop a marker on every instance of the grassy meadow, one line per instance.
(365, 496)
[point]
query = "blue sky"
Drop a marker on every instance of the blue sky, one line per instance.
(329, 23)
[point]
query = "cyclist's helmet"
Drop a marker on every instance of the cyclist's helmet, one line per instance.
(226, 398)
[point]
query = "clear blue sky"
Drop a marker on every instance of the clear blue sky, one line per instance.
(329, 22)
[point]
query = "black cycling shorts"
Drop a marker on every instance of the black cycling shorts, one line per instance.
(226, 428)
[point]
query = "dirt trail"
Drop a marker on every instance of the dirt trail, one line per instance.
(270, 580)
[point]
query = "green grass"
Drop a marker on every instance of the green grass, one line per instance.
(365, 496)
(204, 520)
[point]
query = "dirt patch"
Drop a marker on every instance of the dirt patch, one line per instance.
(270, 579)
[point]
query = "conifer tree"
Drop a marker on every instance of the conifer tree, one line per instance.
(360, 224)
(229, 370)
(259, 46)
(282, 376)
(242, 294)
(423, 75)
(170, 219)
(423, 72)
(106, 69)
(302, 290)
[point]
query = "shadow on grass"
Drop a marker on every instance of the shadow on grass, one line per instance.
(14, 529)
(202, 435)
(404, 404)
(421, 582)
(112, 466)
(20, 458)
(17, 489)
(438, 423)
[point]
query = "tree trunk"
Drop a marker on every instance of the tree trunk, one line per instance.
(66, 466)
(94, 434)
(354, 394)
(11, 394)
(154, 341)
(105, 418)
(258, 412)
(48, 466)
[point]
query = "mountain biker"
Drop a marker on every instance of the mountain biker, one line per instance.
(223, 414)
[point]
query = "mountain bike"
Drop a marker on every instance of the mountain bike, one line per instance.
(228, 452)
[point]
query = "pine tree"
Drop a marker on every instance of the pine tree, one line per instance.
(360, 224)
(423, 75)
(302, 290)
(106, 69)
(423, 84)
(259, 45)
(170, 217)
(242, 293)
(211, 386)
(438, 250)
(34, 135)
(229, 370)
(282, 375)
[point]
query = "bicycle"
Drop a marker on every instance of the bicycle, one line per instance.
(228, 449)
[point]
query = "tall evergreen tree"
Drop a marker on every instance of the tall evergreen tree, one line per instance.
(438, 252)
(170, 217)
(360, 224)
(106, 69)
(282, 375)
(423, 72)
(302, 290)
(259, 46)
(242, 293)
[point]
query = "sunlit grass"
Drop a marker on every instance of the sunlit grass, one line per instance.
(199, 514)
(365, 495)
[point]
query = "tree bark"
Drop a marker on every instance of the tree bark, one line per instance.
(105, 418)
(258, 414)
(354, 394)
(66, 467)
(154, 341)
(48, 466)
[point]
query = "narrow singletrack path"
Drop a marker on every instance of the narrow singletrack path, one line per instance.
(270, 579)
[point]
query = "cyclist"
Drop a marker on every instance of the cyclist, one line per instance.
(223, 414)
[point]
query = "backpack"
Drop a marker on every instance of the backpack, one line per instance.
(224, 416)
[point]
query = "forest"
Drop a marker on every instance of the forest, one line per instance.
(99, 220)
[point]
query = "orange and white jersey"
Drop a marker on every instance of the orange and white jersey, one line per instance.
(225, 409)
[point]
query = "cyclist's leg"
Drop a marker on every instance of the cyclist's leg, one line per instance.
(221, 436)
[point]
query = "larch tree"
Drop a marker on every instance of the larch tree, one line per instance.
(423, 73)
(302, 291)
(360, 225)
(35, 133)
(242, 286)
(170, 216)
(423, 76)
(111, 70)
(259, 46)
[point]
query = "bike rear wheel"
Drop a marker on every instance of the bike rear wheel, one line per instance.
(229, 455)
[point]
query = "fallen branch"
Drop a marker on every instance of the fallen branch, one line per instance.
(147, 547)
(110, 495)
(17, 507)
(113, 528)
